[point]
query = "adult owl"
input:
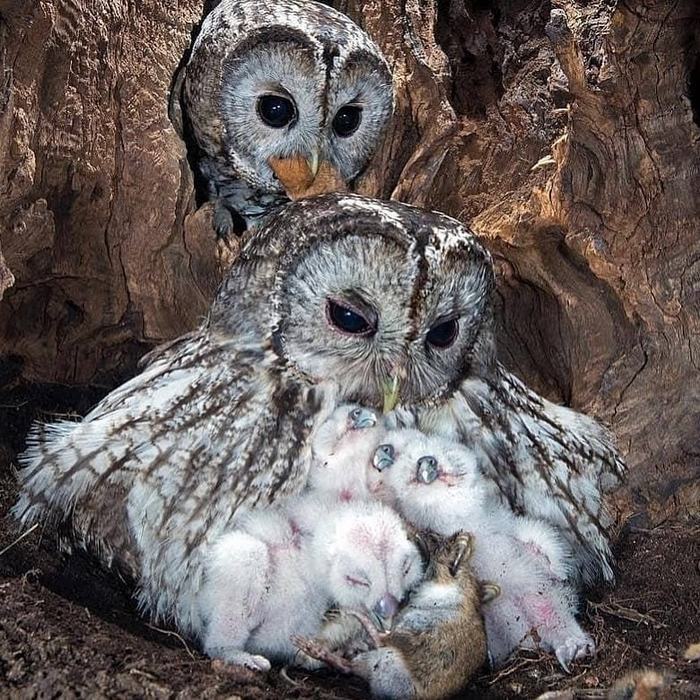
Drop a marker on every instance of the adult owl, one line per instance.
(276, 91)
(330, 301)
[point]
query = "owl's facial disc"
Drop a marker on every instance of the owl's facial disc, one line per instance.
(272, 107)
(360, 106)
(302, 118)
(345, 316)
(367, 305)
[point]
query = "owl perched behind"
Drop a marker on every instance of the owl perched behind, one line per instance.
(276, 91)
(331, 300)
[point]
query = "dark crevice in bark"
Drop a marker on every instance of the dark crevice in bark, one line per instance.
(694, 91)
(466, 32)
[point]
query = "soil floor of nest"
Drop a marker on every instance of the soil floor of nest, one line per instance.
(68, 630)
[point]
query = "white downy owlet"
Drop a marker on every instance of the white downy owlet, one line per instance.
(277, 571)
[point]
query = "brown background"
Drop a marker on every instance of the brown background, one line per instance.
(566, 132)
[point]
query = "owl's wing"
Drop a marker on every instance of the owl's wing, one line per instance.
(202, 430)
(255, 450)
(67, 461)
(159, 352)
(548, 462)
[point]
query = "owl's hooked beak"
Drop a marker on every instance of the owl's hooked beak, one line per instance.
(306, 176)
(312, 162)
(391, 392)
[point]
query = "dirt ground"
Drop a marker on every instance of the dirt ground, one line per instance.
(67, 630)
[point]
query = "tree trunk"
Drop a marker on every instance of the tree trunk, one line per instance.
(567, 134)
(96, 187)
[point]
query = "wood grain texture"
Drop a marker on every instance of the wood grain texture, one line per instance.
(567, 135)
(96, 186)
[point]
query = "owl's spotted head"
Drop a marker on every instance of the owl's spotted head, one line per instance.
(276, 82)
(364, 292)
(368, 291)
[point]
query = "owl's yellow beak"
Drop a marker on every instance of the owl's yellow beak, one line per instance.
(391, 393)
(312, 162)
(306, 176)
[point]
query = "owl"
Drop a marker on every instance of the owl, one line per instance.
(276, 573)
(276, 91)
(437, 485)
(333, 299)
(436, 644)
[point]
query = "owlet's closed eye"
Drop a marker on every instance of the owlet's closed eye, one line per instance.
(358, 580)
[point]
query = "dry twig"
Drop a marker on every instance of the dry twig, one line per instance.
(173, 634)
(26, 533)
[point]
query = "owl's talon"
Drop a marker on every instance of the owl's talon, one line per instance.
(361, 418)
(574, 649)
(223, 222)
(230, 661)
(563, 663)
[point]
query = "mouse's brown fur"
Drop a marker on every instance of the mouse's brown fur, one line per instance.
(442, 659)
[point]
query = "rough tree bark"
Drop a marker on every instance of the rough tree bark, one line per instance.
(95, 186)
(566, 132)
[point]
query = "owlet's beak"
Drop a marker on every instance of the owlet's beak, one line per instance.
(385, 611)
(305, 177)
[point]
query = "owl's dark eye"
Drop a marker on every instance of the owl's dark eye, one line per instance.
(346, 120)
(348, 320)
(276, 111)
(444, 334)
